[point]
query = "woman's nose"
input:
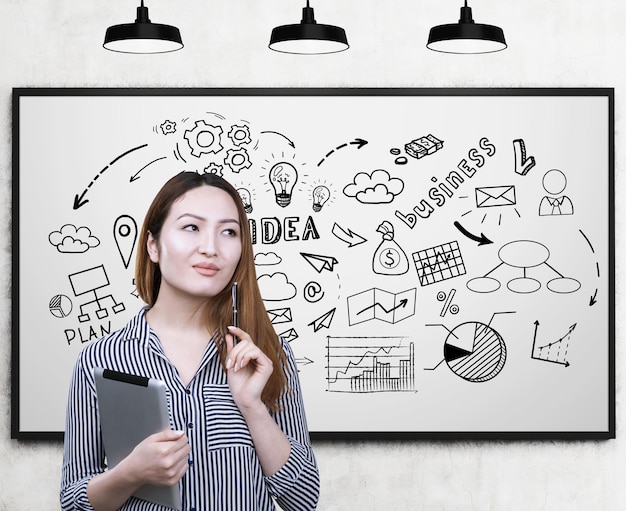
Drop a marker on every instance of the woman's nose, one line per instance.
(208, 245)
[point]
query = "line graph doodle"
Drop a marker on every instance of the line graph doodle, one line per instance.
(556, 351)
(439, 263)
(370, 364)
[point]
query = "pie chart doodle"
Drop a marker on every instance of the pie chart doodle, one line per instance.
(475, 352)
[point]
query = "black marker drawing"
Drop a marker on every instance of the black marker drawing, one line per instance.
(370, 364)
(289, 335)
(79, 200)
(389, 258)
(473, 350)
(136, 175)
(73, 240)
(324, 321)
(320, 196)
(554, 352)
(439, 263)
(204, 138)
(423, 146)
(383, 305)
(168, 127)
(278, 316)
(283, 177)
(60, 306)
(524, 254)
(239, 135)
(350, 237)
(276, 287)
(214, 168)
(523, 164)
(358, 142)
(291, 144)
(442, 191)
(495, 196)
(320, 262)
(375, 188)
(125, 235)
(448, 306)
(90, 281)
(554, 182)
(593, 300)
(482, 239)
(246, 199)
(237, 159)
(267, 259)
(313, 292)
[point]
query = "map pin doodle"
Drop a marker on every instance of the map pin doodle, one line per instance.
(125, 234)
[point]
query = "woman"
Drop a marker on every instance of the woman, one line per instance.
(239, 437)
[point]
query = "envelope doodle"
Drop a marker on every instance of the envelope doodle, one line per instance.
(491, 196)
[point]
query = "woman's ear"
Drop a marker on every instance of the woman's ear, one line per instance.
(152, 246)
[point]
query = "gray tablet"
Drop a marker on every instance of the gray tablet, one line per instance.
(131, 409)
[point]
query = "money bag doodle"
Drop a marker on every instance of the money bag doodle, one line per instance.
(389, 258)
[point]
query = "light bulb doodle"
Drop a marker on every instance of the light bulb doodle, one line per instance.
(246, 199)
(283, 177)
(321, 194)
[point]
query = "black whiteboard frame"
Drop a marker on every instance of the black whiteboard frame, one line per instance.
(18, 433)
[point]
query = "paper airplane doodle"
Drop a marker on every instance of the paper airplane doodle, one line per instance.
(383, 305)
(320, 262)
(323, 321)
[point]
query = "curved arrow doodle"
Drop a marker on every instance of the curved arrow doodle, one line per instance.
(359, 142)
(482, 239)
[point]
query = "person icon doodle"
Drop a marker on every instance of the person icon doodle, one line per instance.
(554, 182)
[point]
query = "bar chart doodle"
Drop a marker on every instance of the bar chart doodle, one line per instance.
(370, 364)
(439, 263)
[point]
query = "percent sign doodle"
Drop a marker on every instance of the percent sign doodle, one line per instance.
(448, 305)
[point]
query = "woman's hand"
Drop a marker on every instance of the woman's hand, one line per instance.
(161, 459)
(248, 369)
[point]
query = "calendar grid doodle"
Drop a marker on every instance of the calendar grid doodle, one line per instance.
(439, 263)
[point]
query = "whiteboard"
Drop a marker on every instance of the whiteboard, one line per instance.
(440, 260)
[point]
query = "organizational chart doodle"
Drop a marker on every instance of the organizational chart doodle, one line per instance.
(381, 247)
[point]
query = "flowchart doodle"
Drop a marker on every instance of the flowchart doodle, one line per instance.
(523, 254)
(555, 351)
(439, 263)
(364, 365)
(90, 281)
(382, 305)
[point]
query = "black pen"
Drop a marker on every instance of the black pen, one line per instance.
(235, 319)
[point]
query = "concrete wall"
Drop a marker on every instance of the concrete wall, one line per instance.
(552, 43)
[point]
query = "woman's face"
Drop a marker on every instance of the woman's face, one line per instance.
(199, 246)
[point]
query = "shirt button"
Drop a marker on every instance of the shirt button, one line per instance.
(190, 425)
(187, 391)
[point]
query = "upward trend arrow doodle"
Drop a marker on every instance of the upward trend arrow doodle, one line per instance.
(402, 304)
(359, 142)
(482, 239)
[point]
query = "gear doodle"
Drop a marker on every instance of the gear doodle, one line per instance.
(204, 138)
(239, 135)
(214, 168)
(168, 127)
(237, 159)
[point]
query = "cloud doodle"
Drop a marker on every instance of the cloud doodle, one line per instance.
(375, 188)
(72, 240)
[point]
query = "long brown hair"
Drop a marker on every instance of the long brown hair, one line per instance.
(217, 311)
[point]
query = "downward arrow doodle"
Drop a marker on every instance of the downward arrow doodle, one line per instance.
(522, 164)
(482, 239)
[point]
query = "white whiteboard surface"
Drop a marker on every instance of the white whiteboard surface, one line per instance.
(441, 260)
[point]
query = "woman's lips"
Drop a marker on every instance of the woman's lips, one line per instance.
(208, 270)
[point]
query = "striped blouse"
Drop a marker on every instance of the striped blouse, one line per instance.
(224, 471)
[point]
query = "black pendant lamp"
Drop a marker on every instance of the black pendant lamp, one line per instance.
(308, 37)
(143, 36)
(466, 36)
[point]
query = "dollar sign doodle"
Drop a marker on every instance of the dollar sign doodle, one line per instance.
(390, 259)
